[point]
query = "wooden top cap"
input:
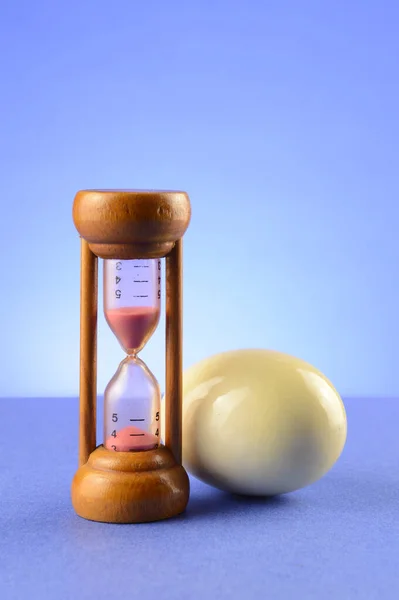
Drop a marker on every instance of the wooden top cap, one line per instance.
(131, 223)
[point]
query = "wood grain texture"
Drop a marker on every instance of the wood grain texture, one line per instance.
(130, 487)
(174, 351)
(131, 223)
(88, 352)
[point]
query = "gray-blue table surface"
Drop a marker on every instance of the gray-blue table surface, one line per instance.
(337, 539)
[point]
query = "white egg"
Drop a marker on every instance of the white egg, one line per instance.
(260, 422)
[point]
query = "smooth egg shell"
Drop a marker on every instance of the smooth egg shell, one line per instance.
(259, 422)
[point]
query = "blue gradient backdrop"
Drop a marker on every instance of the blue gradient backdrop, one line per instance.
(281, 121)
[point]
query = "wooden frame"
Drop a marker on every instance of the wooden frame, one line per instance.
(148, 485)
(88, 352)
(174, 353)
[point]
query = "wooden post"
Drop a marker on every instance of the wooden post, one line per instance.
(88, 352)
(174, 363)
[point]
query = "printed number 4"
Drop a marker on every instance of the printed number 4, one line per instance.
(114, 433)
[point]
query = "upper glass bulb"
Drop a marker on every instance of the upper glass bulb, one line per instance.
(132, 299)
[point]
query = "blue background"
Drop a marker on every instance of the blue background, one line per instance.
(279, 118)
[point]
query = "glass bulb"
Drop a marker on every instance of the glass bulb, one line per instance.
(132, 298)
(132, 402)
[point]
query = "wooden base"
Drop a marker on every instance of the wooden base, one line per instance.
(130, 487)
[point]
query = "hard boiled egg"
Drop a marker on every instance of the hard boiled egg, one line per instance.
(260, 422)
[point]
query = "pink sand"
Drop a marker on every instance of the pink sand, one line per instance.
(131, 438)
(132, 325)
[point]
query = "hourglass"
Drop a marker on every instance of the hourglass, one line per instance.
(131, 477)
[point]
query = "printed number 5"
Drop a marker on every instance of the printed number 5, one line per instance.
(115, 417)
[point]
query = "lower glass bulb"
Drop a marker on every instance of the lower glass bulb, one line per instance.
(132, 402)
